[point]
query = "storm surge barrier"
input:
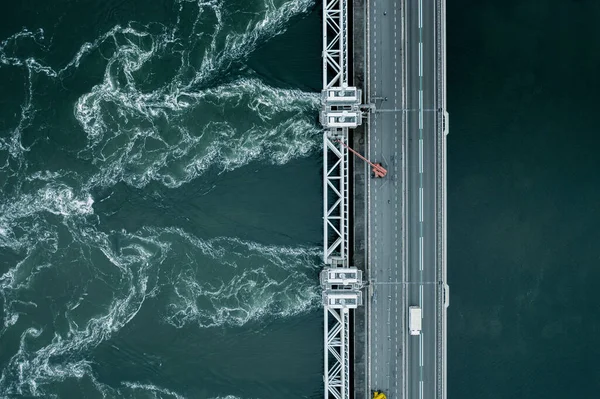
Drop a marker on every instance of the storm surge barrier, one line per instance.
(341, 283)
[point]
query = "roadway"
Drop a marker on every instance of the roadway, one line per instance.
(403, 136)
(387, 206)
(422, 179)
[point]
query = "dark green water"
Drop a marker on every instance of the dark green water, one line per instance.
(160, 212)
(524, 199)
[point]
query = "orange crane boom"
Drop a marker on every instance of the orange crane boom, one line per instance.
(378, 170)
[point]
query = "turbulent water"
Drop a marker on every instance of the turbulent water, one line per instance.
(160, 202)
(160, 220)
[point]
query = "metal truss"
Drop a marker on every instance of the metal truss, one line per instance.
(341, 292)
(337, 355)
(338, 297)
(341, 284)
(335, 197)
(335, 43)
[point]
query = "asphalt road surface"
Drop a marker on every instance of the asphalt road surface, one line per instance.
(421, 160)
(402, 72)
(387, 207)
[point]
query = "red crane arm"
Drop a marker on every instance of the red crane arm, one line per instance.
(378, 170)
(357, 154)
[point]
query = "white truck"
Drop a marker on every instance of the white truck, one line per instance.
(414, 320)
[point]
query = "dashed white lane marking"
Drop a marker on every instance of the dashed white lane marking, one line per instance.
(420, 155)
(420, 58)
(421, 204)
(421, 241)
(421, 251)
(376, 238)
(421, 353)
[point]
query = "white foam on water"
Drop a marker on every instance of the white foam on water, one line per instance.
(138, 135)
(227, 397)
(124, 124)
(18, 279)
(238, 46)
(157, 392)
(25, 229)
(41, 361)
(234, 282)
(285, 125)
(27, 370)
(11, 282)
(55, 198)
(274, 125)
(129, 56)
(13, 143)
(250, 296)
(240, 281)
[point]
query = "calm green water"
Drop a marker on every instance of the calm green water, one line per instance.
(524, 198)
(160, 211)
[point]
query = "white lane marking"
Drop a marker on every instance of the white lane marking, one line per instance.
(421, 351)
(421, 205)
(421, 255)
(421, 260)
(421, 251)
(421, 157)
(421, 59)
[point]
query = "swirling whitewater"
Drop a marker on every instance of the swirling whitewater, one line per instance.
(135, 131)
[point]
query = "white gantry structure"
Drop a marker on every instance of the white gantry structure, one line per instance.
(341, 283)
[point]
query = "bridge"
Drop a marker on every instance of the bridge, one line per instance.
(384, 238)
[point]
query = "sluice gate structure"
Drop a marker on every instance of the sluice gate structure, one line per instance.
(395, 230)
